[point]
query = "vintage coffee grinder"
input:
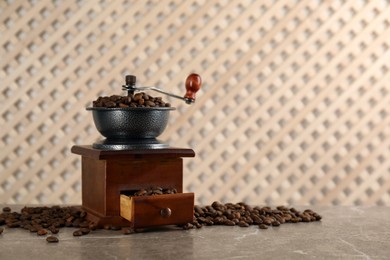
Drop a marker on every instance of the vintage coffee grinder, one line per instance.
(131, 159)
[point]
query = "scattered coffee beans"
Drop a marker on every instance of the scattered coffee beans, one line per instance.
(243, 215)
(41, 219)
(140, 99)
(52, 239)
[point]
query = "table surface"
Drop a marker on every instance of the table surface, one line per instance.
(343, 233)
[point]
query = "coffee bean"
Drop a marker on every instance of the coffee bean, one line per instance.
(282, 208)
(53, 230)
(42, 232)
(84, 225)
(138, 96)
(243, 224)
(85, 230)
(121, 105)
(263, 226)
(249, 220)
(116, 228)
(52, 239)
(109, 104)
(127, 231)
(229, 223)
(7, 209)
(157, 192)
(257, 220)
(188, 226)
(150, 103)
(33, 230)
(295, 220)
(68, 224)
(107, 227)
(92, 226)
(287, 217)
(268, 221)
(76, 223)
(197, 225)
(141, 193)
(1, 230)
(77, 233)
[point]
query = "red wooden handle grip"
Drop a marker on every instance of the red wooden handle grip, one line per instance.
(193, 84)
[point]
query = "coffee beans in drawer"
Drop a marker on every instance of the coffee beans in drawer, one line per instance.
(154, 191)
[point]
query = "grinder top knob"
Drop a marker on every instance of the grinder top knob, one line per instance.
(192, 84)
(130, 80)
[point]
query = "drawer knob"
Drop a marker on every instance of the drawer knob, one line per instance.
(165, 212)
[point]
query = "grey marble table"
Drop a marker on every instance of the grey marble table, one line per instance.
(343, 233)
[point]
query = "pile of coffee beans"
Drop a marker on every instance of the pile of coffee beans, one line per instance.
(140, 99)
(153, 191)
(42, 220)
(244, 215)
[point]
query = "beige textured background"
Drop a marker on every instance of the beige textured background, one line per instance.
(295, 106)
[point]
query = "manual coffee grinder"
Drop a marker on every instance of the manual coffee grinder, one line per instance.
(132, 159)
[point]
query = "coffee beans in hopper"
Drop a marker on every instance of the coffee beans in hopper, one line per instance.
(140, 99)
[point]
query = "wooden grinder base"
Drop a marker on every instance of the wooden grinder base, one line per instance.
(108, 174)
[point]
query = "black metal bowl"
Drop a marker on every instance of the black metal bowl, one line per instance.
(130, 123)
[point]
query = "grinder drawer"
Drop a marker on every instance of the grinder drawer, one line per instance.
(166, 209)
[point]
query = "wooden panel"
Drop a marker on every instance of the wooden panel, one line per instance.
(94, 185)
(294, 107)
(141, 174)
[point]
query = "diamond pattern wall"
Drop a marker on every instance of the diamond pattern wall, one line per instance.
(294, 107)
